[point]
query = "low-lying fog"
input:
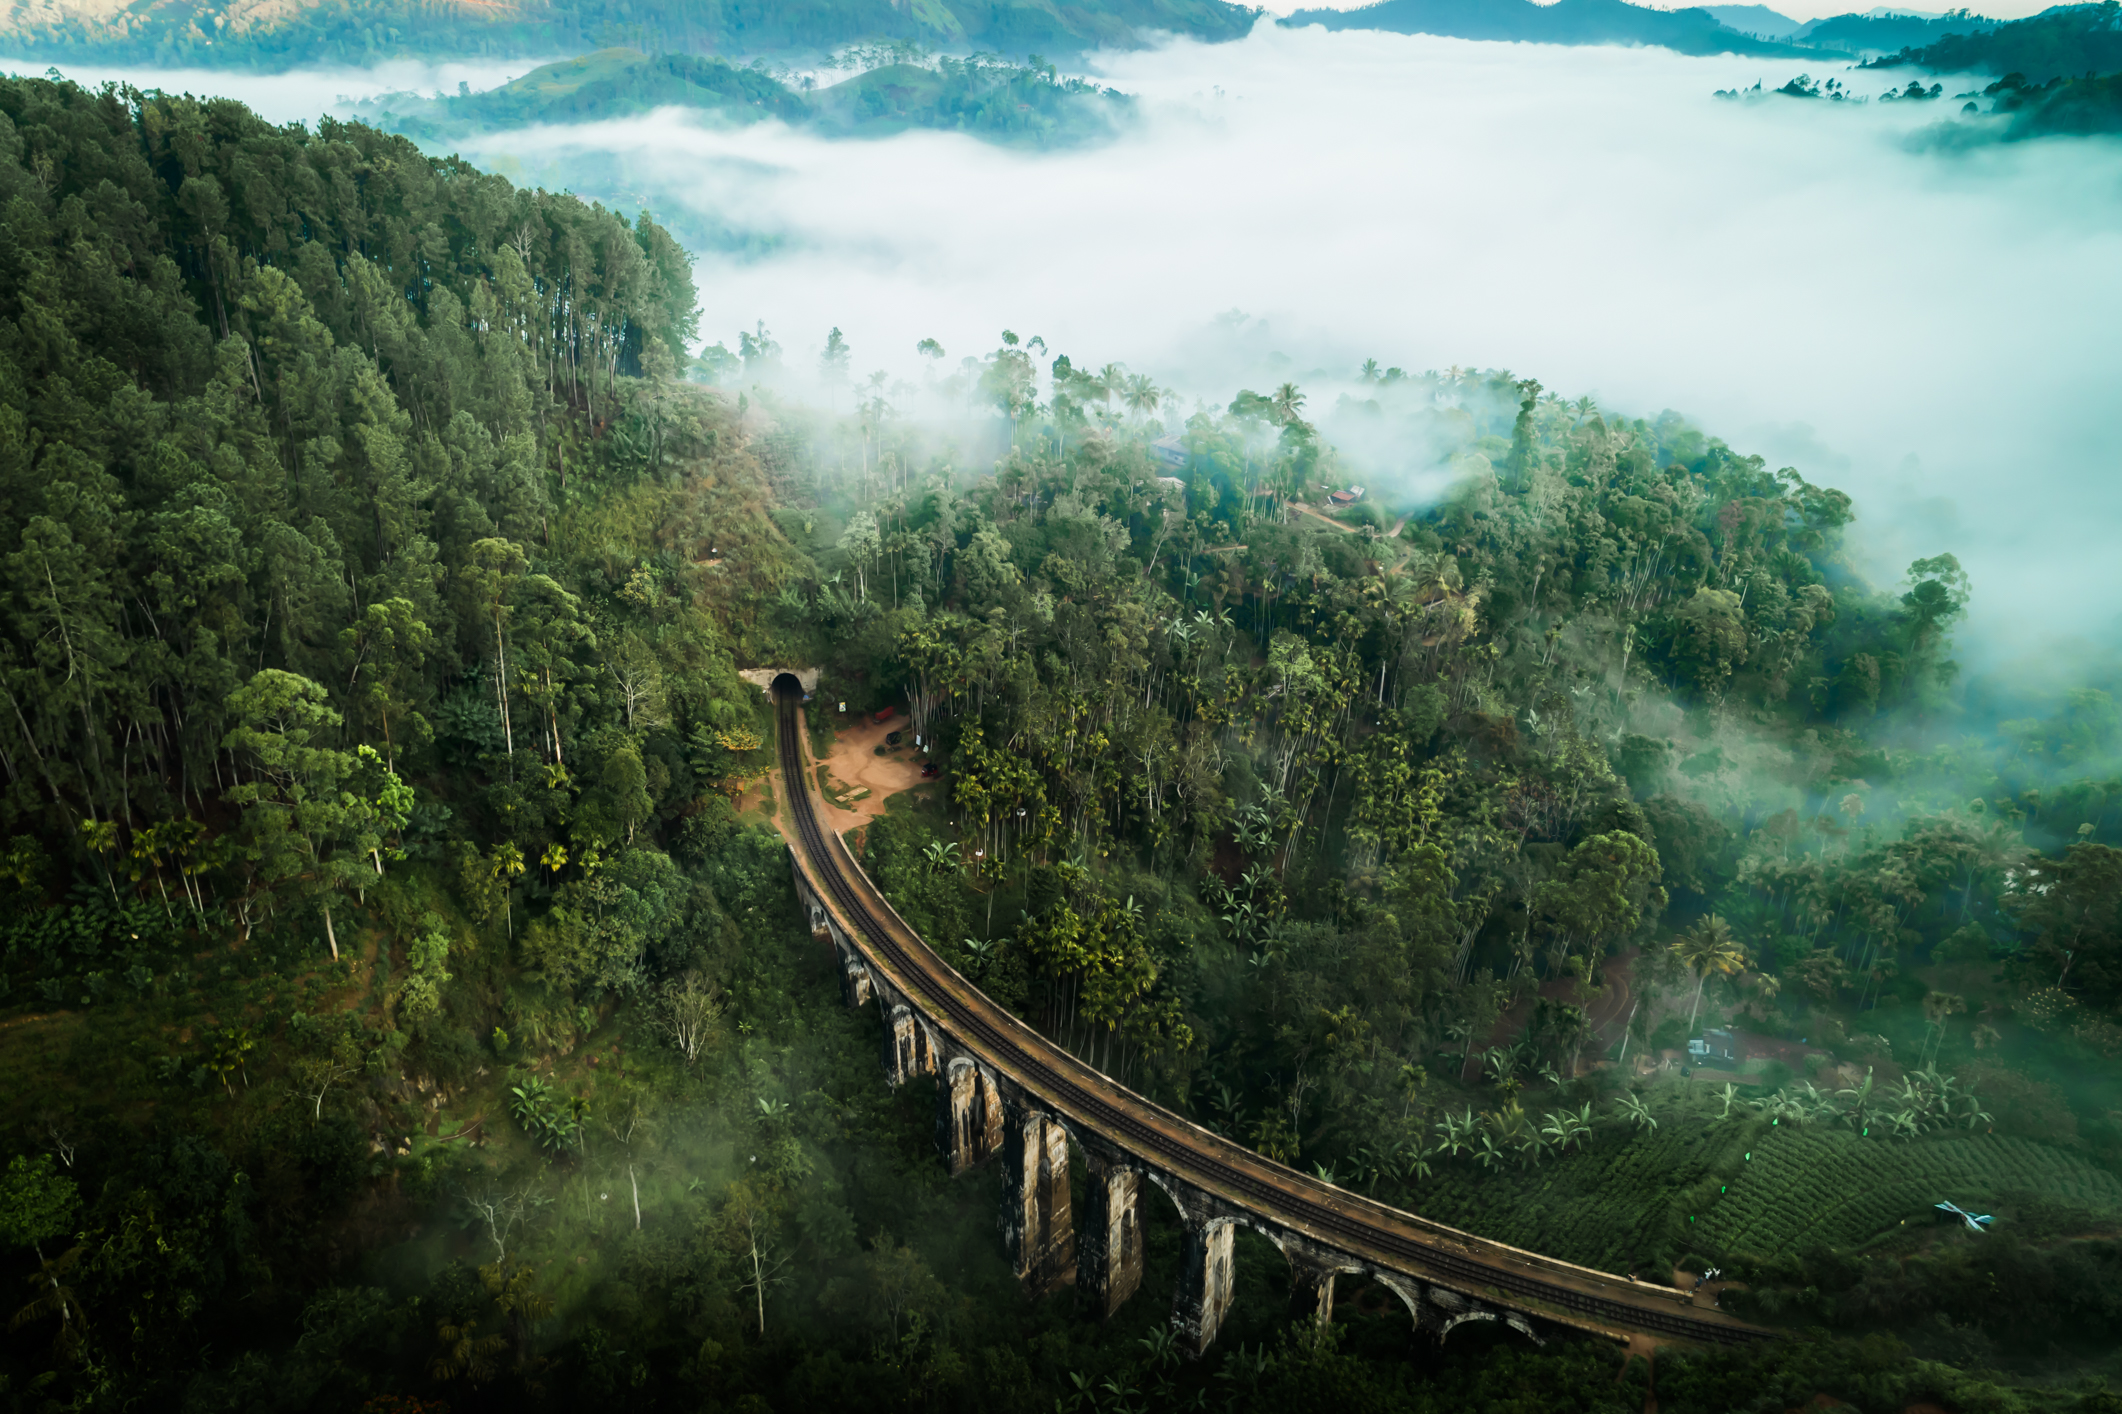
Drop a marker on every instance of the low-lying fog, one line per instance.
(1935, 334)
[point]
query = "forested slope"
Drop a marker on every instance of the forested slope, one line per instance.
(405, 998)
(362, 32)
(897, 87)
(2068, 41)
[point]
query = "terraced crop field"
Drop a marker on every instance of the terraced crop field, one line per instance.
(1636, 1202)
(1811, 1188)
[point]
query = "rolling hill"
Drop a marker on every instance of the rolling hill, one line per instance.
(286, 34)
(993, 100)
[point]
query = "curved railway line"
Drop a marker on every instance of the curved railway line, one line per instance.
(1375, 1235)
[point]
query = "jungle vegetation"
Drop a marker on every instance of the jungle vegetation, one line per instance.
(406, 1005)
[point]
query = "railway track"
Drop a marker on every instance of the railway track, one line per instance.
(1275, 1193)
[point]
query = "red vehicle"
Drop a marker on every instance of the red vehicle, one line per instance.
(883, 715)
(931, 771)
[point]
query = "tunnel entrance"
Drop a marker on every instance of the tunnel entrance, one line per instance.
(787, 686)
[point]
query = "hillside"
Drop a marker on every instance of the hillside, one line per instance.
(2067, 42)
(1754, 19)
(1884, 34)
(996, 101)
(277, 34)
(1565, 22)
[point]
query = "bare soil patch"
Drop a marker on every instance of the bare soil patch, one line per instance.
(854, 767)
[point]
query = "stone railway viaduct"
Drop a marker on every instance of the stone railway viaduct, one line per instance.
(1004, 1091)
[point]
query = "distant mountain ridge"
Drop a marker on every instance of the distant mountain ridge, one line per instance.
(288, 34)
(1885, 32)
(1756, 20)
(1008, 104)
(1692, 31)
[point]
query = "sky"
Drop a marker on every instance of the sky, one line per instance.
(1931, 332)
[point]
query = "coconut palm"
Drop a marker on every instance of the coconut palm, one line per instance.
(1109, 383)
(1938, 1008)
(1142, 396)
(1706, 948)
(1288, 404)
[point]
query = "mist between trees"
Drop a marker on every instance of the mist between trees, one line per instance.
(408, 998)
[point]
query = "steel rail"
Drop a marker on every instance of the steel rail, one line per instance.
(1284, 1203)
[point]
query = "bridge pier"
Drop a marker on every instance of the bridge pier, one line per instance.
(1205, 1283)
(968, 1117)
(908, 1048)
(1311, 1290)
(1312, 1269)
(854, 985)
(1036, 1222)
(1112, 1234)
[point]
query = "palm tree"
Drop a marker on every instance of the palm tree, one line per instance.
(1938, 1008)
(1142, 395)
(1288, 402)
(1708, 947)
(1109, 380)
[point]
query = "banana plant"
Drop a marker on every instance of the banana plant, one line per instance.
(1455, 1133)
(1566, 1129)
(1636, 1112)
(1858, 1104)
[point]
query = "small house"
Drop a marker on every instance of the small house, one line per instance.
(1714, 1047)
(1169, 450)
(1341, 500)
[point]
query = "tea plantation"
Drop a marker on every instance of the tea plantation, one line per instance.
(1636, 1201)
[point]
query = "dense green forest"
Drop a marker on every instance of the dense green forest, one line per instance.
(364, 1054)
(897, 87)
(364, 32)
(2068, 41)
(2050, 83)
(2058, 73)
